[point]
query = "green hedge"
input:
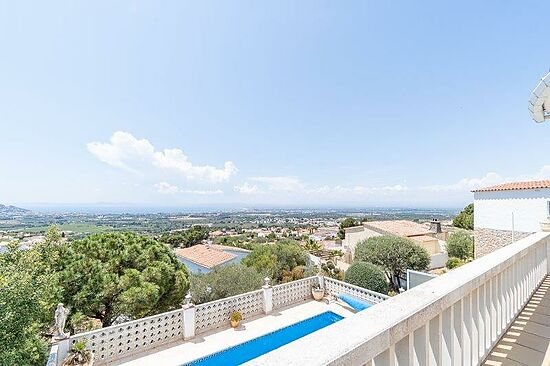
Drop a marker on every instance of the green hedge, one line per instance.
(367, 275)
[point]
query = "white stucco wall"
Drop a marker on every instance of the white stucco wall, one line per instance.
(493, 210)
(354, 237)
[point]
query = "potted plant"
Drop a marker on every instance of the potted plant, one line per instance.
(235, 319)
(318, 292)
(79, 355)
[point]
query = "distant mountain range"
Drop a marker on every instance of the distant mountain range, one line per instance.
(12, 210)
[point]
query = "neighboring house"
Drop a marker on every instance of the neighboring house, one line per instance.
(508, 212)
(354, 235)
(324, 233)
(431, 237)
(203, 258)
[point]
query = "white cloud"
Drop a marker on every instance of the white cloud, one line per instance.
(543, 173)
(491, 178)
(166, 188)
(357, 190)
(467, 184)
(204, 192)
(292, 185)
(287, 184)
(126, 151)
(247, 188)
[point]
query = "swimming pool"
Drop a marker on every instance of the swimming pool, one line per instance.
(256, 347)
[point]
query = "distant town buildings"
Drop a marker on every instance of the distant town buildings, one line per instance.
(508, 212)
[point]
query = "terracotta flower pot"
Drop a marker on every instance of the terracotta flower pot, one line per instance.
(318, 293)
(235, 323)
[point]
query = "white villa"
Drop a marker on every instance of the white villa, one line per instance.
(508, 212)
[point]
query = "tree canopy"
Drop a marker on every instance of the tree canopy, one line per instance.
(347, 222)
(394, 255)
(224, 281)
(460, 245)
(186, 238)
(273, 260)
(28, 296)
(312, 245)
(367, 275)
(107, 275)
(465, 219)
(329, 269)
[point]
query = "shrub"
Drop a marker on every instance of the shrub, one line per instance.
(224, 281)
(236, 316)
(347, 222)
(275, 260)
(460, 245)
(187, 238)
(78, 354)
(465, 219)
(394, 255)
(329, 269)
(454, 262)
(367, 275)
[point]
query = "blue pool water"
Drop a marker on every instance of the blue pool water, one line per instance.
(355, 302)
(256, 347)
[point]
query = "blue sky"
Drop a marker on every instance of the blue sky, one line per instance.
(312, 103)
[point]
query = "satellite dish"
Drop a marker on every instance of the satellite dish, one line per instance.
(539, 103)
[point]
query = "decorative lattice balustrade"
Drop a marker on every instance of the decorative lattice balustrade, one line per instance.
(123, 340)
(336, 287)
(215, 314)
(135, 336)
(292, 292)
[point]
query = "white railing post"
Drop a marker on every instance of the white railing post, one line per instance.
(53, 356)
(321, 280)
(447, 332)
(420, 346)
(63, 347)
(467, 330)
(189, 318)
(475, 313)
(435, 340)
(267, 291)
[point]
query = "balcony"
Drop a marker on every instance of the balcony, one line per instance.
(461, 318)
(492, 311)
(181, 336)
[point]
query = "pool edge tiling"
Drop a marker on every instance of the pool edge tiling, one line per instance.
(256, 347)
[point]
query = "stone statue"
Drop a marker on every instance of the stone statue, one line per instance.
(60, 319)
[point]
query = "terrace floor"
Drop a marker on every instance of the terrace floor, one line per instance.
(527, 340)
(181, 352)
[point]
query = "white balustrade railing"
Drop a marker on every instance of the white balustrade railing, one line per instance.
(291, 292)
(336, 287)
(454, 319)
(118, 341)
(215, 314)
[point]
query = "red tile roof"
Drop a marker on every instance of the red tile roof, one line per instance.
(205, 256)
(536, 184)
(398, 227)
